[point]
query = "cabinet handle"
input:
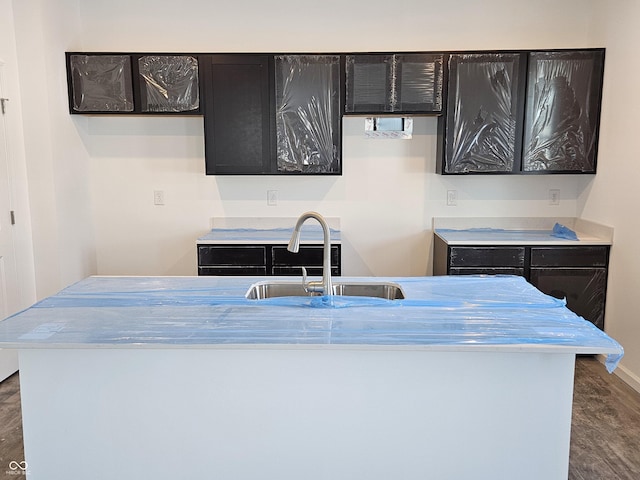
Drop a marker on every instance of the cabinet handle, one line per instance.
(3, 101)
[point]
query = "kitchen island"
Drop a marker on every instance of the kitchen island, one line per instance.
(467, 377)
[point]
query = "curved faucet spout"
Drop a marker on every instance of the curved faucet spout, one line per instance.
(326, 286)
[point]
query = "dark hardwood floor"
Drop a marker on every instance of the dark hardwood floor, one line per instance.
(11, 447)
(605, 435)
(605, 432)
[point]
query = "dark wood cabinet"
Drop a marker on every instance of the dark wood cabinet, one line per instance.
(522, 112)
(272, 114)
(308, 114)
(500, 112)
(562, 116)
(485, 103)
(238, 119)
(402, 83)
(268, 259)
(133, 83)
(486, 260)
(576, 273)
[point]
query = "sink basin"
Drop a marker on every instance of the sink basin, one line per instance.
(387, 290)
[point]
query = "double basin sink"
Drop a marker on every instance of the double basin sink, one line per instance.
(270, 289)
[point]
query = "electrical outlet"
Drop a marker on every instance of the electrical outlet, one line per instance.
(554, 196)
(158, 197)
(272, 197)
(452, 198)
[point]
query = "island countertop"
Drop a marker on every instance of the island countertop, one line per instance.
(447, 313)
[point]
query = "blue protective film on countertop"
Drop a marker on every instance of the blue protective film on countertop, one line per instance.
(204, 311)
(310, 232)
(501, 235)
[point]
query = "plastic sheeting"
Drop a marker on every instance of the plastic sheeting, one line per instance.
(562, 231)
(560, 130)
(463, 312)
(308, 113)
(101, 83)
(481, 136)
(394, 83)
(170, 83)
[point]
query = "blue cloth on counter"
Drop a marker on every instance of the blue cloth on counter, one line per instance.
(561, 231)
(464, 311)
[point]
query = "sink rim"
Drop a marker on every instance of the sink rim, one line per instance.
(336, 285)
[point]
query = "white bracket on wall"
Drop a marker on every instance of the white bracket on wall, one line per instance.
(388, 127)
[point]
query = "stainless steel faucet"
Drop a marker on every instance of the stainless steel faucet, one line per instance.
(325, 287)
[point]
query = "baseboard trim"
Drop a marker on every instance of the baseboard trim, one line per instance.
(626, 376)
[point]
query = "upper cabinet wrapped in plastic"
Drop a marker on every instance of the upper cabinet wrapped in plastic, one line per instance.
(170, 83)
(308, 113)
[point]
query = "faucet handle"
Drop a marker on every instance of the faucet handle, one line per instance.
(304, 279)
(311, 287)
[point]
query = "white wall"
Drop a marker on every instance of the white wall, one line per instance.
(56, 158)
(388, 193)
(614, 195)
(22, 234)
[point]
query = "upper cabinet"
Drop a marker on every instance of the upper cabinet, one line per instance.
(522, 112)
(499, 112)
(564, 91)
(238, 120)
(99, 83)
(168, 83)
(307, 114)
(408, 83)
(273, 114)
(484, 112)
(133, 83)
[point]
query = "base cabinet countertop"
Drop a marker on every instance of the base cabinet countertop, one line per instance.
(258, 246)
(575, 270)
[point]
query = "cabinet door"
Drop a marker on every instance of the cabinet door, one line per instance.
(237, 114)
(483, 128)
(563, 111)
(308, 114)
(403, 83)
(168, 83)
(369, 83)
(418, 83)
(584, 288)
(100, 83)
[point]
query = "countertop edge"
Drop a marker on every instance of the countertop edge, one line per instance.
(506, 348)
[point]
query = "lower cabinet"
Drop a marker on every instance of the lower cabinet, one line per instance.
(576, 273)
(268, 260)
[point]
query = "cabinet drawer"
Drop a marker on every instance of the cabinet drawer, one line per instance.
(596, 256)
(307, 256)
(236, 255)
(231, 271)
(486, 257)
(297, 271)
(487, 271)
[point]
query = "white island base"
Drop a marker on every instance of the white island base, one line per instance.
(297, 412)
